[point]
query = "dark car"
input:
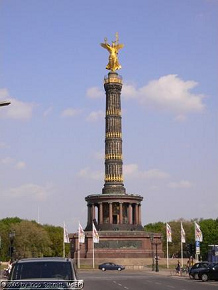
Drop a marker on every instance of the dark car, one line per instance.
(110, 266)
(193, 272)
(43, 273)
(210, 273)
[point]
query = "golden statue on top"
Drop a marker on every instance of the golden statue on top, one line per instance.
(113, 49)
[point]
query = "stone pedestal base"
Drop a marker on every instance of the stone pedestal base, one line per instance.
(121, 244)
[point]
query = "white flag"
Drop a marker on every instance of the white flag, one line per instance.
(168, 233)
(182, 234)
(81, 234)
(198, 233)
(66, 236)
(95, 234)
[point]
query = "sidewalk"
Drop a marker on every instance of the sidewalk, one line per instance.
(169, 272)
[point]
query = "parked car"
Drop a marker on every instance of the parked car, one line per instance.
(110, 266)
(43, 273)
(193, 272)
(209, 273)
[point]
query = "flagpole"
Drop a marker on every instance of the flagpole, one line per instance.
(196, 255)
(78, 251)
(64, 241)
(63, 249)
(93, 253)
(181, 233)
(167, 245)
(181, 253)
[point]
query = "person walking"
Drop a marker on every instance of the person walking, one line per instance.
(178, 268)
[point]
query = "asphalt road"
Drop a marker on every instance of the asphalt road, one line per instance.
(135, 280)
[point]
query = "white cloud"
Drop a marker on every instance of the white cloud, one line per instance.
(94, 93)
(90, 174)
(3, 145)
(95, 116)
(129, 91)
(20, 165)
(70, 112)
(3, 94)
(7, 160)
(16, 164)
(17, 110)
(180, 184)
(132, 170)
(99, 155)
(47, 111)
(32, 191)
(169, 93)
(181, 118)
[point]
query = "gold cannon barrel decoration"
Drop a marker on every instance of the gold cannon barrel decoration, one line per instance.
(113, 135)
(113, 177)
(113, 156)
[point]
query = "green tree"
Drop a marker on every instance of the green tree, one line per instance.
(5, 229)
(31, 240)
(56, 237)
(209, 228)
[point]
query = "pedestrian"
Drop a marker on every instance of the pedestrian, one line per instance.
(188, 265)
(178, 268)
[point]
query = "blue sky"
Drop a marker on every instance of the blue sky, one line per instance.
(52, 135)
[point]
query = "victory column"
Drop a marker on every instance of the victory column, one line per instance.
(116, 214)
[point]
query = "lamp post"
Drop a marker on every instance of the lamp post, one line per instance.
(11, 249)
(0, 252)
(155, 241)
(152, 250)
(5, 103)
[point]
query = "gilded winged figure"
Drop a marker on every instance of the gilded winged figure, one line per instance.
(113, 49)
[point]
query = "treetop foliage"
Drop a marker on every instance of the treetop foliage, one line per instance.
(35, 240)
(209, 228)
(30, 239)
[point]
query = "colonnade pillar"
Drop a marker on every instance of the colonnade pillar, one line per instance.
(130, 213)
(139, 210)
(100, 216)
(93, 211)
(133, 213)
(121, 213)
(110, 213)
(136, 214)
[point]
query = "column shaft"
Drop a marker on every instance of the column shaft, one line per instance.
(110, 213)
(130, 213)
(100, 213)
(121, 213)
(93, 212)
(139, 210)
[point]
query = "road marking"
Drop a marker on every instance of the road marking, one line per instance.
(120, 285)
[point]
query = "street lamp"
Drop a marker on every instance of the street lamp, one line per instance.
(5, 103)
(11, 249)
(155, 241)
(152, 250)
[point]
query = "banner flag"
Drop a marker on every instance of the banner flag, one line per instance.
(169, 233)
(95, 234)
(66, 236)
(182, 234)
(198, 233)
(81, 234)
